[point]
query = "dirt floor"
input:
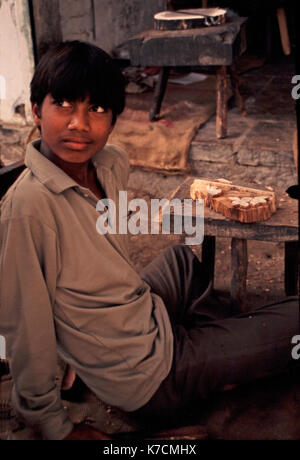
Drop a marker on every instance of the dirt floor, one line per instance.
(269, 409)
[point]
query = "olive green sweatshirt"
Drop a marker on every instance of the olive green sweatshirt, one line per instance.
(67, 289)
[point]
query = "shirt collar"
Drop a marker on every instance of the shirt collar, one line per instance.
(50, 175)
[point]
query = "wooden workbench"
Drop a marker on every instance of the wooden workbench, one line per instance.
(282, 226)
(215, 46)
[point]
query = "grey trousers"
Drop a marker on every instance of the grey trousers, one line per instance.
(213, 345)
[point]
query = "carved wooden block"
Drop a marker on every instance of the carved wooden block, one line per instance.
(233, 201)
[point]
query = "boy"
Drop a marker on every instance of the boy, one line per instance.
(147, 344)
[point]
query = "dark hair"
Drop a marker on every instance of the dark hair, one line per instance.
(73, 70)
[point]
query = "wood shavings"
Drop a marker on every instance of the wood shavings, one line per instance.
(248, 201)
(214, 191)
(242, 202)
(258, 200)
(245, 205)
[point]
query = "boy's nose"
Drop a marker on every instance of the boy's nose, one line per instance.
(79, 120)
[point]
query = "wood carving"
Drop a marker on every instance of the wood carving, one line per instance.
(189, 19)
(233, 201)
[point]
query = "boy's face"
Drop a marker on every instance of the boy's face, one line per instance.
(74, 131)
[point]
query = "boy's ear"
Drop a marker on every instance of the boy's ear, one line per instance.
(36, 112)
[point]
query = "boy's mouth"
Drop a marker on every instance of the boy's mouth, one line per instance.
(75, 143)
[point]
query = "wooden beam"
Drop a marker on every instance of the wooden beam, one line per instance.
(47, 27)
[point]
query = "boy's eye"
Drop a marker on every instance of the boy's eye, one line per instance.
(63, 103)
(98, 109)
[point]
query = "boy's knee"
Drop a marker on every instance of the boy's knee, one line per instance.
(182, 251)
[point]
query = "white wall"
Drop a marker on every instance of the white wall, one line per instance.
(2, 347)
(16, 61)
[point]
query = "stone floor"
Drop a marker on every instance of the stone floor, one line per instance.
(258, 150)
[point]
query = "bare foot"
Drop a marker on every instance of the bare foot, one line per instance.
(68, 378)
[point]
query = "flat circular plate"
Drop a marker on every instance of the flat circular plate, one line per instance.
(189, 19)
(182, 15)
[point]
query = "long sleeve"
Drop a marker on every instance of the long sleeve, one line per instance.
(67, 289)
(29, 264)
(122, 167)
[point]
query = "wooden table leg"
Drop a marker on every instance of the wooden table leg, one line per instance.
(221, 111)
(239, 265)
(291, 268)
(159, 93)
(235, 84)
(208, 255)
(284, 33)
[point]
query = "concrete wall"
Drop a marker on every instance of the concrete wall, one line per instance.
(76, 19)
(16, 61)
(107, 23)
(47, 27)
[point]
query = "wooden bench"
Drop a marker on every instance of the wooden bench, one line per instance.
(282, 226)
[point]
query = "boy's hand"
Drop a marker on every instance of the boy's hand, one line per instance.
(68, 378)
(83, 432)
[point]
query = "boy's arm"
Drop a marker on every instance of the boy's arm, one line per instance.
(29, 265)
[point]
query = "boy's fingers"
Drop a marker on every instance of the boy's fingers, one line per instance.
(68, 378)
